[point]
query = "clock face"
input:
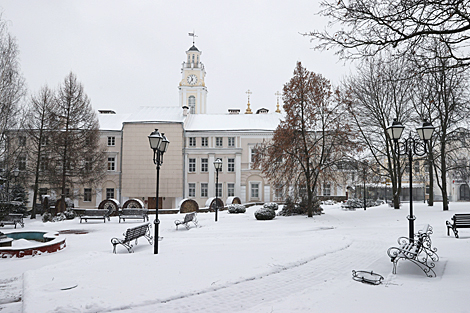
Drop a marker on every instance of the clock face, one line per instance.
(192, 79)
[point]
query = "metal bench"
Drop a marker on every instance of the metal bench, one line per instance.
(190, 217)
(93, 214)
(133, 213)
(419, 251)
(133, 234)
(458, 221)
(12, 219)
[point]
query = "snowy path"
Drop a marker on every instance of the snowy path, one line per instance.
(245, 295)
(11, 294)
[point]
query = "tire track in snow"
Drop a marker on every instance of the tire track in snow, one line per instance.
(253, 291)
(11, 294)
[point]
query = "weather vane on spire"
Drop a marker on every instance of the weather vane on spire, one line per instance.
(193, 34)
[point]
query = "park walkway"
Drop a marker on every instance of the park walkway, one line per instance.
(246, 294)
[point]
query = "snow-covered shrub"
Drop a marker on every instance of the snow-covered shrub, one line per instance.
(265, 214)
(271, 205)
(69, 214)
(236, 208)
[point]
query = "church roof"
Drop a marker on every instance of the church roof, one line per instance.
(233, 122)
(193, 48)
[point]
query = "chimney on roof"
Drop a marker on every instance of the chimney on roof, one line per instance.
(234, 111)
(185, 110)
(106, 112)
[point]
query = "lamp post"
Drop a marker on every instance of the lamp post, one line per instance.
(218, 167)
(159, 145)
(410, 148)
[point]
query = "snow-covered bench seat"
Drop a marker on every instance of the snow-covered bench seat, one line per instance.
(133, 213)
(133, 234)
(418, 251)
(190, 217)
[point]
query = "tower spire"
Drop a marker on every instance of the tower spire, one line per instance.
(248, 110)
(193, 34)
(277, 94)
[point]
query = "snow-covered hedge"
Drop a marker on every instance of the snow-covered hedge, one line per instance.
(265, 214)
(236, 208)
(271, 205)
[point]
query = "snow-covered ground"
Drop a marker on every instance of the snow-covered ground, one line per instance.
(239, 264)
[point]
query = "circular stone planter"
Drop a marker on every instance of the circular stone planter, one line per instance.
(40, 242)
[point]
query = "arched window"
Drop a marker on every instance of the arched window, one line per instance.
(192, 104)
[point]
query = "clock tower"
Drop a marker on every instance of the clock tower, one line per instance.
(192, 89)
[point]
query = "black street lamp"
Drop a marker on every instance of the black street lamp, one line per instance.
(410, 148)
(218, 167)
(159, 145)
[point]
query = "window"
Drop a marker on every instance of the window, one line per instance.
(87, 194)
(109, 193)
(204, 165)
(44, 141)
(218, 141)
(192, 190)
(252, 154)
(426, 168)
(22, 141)
(111, 141)
(204, 142)
(192, 165)
(22, 162)
(192, 104)
(231, 141)
(87, 164)
(278, 192)
(230, 190)
(111, 163)
(326, 189)
(192, 141)
(231, 165)
(219, 190)
(43, 166)
(255, 190)
(204, 189)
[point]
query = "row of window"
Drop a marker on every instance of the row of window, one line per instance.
(205, 165)
(204, 190)
(219, 141)
(87, 194)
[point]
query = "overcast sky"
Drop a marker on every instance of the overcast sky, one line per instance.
(128, 53)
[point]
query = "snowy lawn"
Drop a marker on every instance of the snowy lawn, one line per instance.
(239, 264)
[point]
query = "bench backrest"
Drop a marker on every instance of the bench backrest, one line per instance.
(188, 217)
(95, 212)
(136, 232)
(134, 211)
(461, 219)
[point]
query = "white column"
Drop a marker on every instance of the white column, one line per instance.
(267, 193)
(211, 183)
(238, 174)
(98, 197)
(243, 194)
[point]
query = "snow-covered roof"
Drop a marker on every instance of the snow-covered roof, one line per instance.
(157, 114)
(142, 114)
(112, 121)
(233, 122)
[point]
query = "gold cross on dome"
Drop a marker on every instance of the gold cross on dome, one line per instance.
(248, 92)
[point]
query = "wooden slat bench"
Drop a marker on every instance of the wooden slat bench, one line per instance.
(133, 213)
(458, 221)
(94, 214)
(12, 219)
(190, 217)
(133, 234)
(419, 251)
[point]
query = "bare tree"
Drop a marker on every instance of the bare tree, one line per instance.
(40, 126)
(444, 100)
(78, 158)
(12, 91)
(379, 94)
(310, 141)
(402, 27)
